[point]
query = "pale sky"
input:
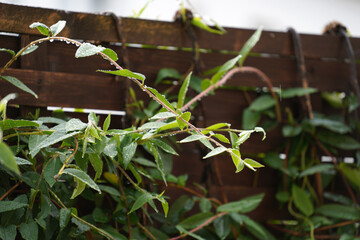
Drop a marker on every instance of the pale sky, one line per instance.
(306, 16)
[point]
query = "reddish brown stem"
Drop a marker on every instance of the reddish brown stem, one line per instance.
(10, 190)
(348, 188)
(335, 225)
(228, 75)
(210, 220)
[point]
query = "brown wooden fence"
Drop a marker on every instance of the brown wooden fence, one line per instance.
(62, 80)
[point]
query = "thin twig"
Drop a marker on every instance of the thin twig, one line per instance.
(146, 231)
(10, 190)
(210, 220)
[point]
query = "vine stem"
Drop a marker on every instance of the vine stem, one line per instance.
(68, 159)
(24, 133)
(210, 220)
(10, 190)
(80, 219)
(227, 76)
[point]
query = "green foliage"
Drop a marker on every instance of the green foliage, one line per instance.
(61, 164)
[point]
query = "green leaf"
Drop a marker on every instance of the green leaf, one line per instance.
(195, 220)
(262, 103)
(107, 123)
(183, 91)
(79, 188)
(128, 153)
(250, 43)
(183, 230)
(6, 206)
(317, 169)
(8, 50)
(339, 211)
(192, 138)
(165, 206)
(159, 235)
(197, 21)
(164, 146)
(8, 232)
(216, 126)
(261, 130)
(55, 137)
(29, 231)
(224, 68)
(335, 99)
(243, 136)
(250, 119)
(82, 176)
(17, 83)
(160, 97)
(215, 152)
(238, 162)
(97, 164)
(221, 138)
(302, 200)
(7, 159)
(170, 125)
(75, 124)
(42, 28)
(29, 50)
(222, 227)
(125, 73)
(291, 131)
(140, 201)
(296, 92)
(338, 198)
(111, 54)
(339, 141)
(352, 174)
(64, 219)
(257, 230)
(328, 123)
(282, 196)
(186, 116)
(11, 124)
(163, 115)
(57, 27)
(22, 161)
(152, 125)
(245, 205)
(167, 73)
(205, 205)
(88, 49)
(252, 163)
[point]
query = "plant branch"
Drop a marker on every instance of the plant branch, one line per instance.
(227, 76)
(146, 231)
(68, 159)
(10, 190)
(80, 219)
(210, 220)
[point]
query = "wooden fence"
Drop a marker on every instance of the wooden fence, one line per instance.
(62, 80)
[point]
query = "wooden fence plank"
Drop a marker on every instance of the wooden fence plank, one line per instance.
(102, 28)
(66, 90)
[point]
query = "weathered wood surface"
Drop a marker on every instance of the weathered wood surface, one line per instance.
(101, 27)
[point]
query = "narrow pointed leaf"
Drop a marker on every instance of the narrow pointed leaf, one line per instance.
(183, 91)
(42, 28)
(164, 146)
(243, 136)
(83, 177)
(261, 130)
(195, 220)
(250, 43)
(30, 49)
(163, 115)
(7, 50)
(6, 206)
(215, 152)
(17, 83)
(7, 158)
(238, 162)
(262, 103)
(107, 123)
(339, 211)
(125, 73)
(252, 163)
(65, 215)
(170, 125)
(88, 49)
(111, 54)
(57, 27)
(167, 73)
(161, 98)
(140, 201)
(128, 153)
(317, 169)
(196, 21)
(302, 200)
(245, 205)
(221, 137)
(224, 68)
(193, 138)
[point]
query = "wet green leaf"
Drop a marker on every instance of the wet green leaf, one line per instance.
(183, 91)
(107, 123)
(42, 28)
(8, 232)
(82, 176)
(111, 54)
(164, 146)
(125, 73)
(8, 50)
(222, 227)
(56, 28)
(215, 152)
(296, 92)
(262, 103)
(6, 206)
(195, 220)
(29, 231)
(163, 115)
(17, 83)
(140, 201)
(161, 98)
(238, 162)
(30, 49)
(10, 124)
(224, 68)
(88, 49)
(128, 153)
(339, 141)
(331, 124)
(64, 219)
